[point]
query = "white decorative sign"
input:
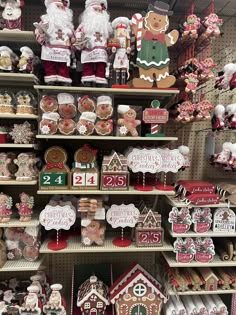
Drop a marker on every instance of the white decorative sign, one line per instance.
(57, 217)
(224, 220)
(122, 215)
(172, 160)
(144, 160)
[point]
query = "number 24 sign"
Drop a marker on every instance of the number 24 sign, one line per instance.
(53, 179)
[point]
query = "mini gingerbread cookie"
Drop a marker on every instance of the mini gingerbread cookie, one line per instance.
(67, 126)
(67, 109)
(5, 208)
(128, 122)
(49, 123)
(85, 125)
(5, 174)
(86, 104)
(6, 102)
(25, 102)
(25, 207)
(48, 103)
(104, 127)
(104, 109)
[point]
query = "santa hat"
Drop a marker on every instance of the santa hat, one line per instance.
(33, 289)
(49, 2)
(65, 98)
(122, 109)
(104, 100)
(32, 230)
(56, 287)
(51, 116)
(26, 52)
(120, 22)
(91, 3)
(88, 116)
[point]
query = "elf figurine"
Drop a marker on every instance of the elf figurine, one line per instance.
(91, 38)
(12, 14)
(55, 34)
(122, 49)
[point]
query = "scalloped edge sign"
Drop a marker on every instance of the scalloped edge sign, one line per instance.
(122, 215)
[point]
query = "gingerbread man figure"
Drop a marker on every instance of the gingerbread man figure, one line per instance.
(185, 110)
(93, 233)
(203, 108)
(213, 24)
(25, 167)
(4, 171)
(192, 82)
(191, 27)
(128, 123)
(152, 46)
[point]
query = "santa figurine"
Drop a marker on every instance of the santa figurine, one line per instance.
(91, 38)
(25, 64)
(55, 34)
(56, 302)
(121, 48)
(12, 14)
(7, 59)
(31, 303)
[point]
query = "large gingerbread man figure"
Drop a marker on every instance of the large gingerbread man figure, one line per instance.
(152, 46)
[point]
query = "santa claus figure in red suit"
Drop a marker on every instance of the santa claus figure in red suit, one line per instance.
(55, 34)
(91, 37)
(12, 14)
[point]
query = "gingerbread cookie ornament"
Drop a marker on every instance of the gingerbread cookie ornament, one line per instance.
(152, 46)
(128, 122)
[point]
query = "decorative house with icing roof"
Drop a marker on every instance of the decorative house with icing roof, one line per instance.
(136, 292)
(93, 297)
(148, 231)
(114, 172)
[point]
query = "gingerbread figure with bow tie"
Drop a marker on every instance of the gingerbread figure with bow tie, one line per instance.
(152, 44)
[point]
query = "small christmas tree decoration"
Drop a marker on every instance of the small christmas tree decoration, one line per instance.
(5, 208)
(155, 116)
(22, 133)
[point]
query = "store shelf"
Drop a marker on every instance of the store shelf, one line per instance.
(111, 138)
(75, 246)
(231, 291)
(14, 222)
(13, 145)
(216, 262)
(17, 79)
(179, 204)
(18, 183)
(207, 234)
(16, 116)
(17, 36)
(131, 191)
(21, 265)
(115, 91)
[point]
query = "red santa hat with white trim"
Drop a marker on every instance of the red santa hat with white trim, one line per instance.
(91, 3)
(26, 52)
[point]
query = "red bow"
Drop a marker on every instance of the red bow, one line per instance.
(55, 165)
(159, 37)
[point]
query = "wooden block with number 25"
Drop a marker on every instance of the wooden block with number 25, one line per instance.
(149, 238)
(117, 182)
(85, 180)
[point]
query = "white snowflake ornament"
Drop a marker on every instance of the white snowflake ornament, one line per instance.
(22, 134)
(82, 130)
(123, 130)
(45, 130)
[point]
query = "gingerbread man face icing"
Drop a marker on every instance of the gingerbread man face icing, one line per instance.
(67, 126)
(86, 104)
(48, 104)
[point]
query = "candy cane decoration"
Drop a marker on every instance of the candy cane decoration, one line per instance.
(137, 19)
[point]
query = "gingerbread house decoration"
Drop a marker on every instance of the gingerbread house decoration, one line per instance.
(137, 292)
(114, 173)
(210, 279)
(93, 297)
(148, 231)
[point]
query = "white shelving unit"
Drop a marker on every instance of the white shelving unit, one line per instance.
(102, 138)
(18, 183)
(21, 265)
(17, 36)
(17, 79)
(16, 116)
(194, 234)
(14, 222)
(75, 246)
(18, 146)
(131, 191)
(216, 262)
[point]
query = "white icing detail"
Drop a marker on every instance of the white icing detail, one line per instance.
(146, 78)
(153, 63)
(171, 39)
(162, 76)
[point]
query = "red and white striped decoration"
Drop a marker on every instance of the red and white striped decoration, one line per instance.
(137, 19)
(154, 128)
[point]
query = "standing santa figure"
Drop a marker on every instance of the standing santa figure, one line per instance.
(12, 14)
(91, 37)
(55, 34)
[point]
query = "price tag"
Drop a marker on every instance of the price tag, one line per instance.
(53, 179)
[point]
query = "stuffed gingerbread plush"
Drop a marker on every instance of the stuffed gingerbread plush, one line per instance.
(213, 24)
(203, 108)
(85, 125)
(5, 174)
(104, 109)
(186, 110)
(86, 104)
(192, 82)
(104, 127)
(48, 104)
(67, 126)
(207, 73)
(128, 123)
(67, 109)
(191, 27)
(49, 123)
(152, 42)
